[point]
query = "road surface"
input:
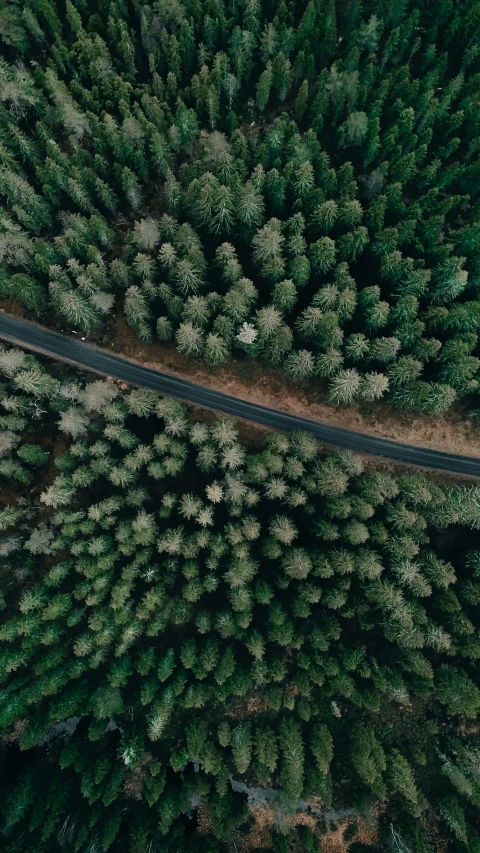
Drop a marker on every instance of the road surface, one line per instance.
(90, 357)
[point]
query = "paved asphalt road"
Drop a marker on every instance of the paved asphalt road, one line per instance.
(87, 356)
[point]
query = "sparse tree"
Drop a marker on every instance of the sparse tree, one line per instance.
(300, 365)
(137, 312)
(146, 235)
(373, 386)
(344, 387)
(217, 351)
(190, 340)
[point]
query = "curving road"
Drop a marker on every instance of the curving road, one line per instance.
(90, 357)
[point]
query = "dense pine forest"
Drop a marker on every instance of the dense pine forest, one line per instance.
(295, 182)
(212, 641)
(195, 633)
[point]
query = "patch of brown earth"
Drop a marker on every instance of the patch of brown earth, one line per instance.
(14, 308)
(333, 841)
(260, 834)
(258, 705)
(18, 730)
(204, 821)
(135, 778)
(241, 707)
(365, 833)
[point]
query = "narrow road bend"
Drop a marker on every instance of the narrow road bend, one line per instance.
(85, 355)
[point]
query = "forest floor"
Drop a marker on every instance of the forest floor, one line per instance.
(335, 838)
(268, 386)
